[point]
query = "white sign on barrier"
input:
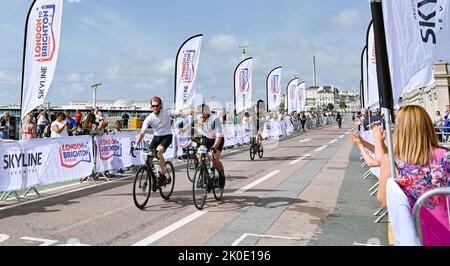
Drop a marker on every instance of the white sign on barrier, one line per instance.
(37, 162)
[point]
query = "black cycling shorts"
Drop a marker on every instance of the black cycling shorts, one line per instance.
(164, 141)
(208, 143)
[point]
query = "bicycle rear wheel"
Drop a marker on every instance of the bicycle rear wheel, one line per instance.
(142, 187)
(200, 187)
(166, 189)
(260, 151)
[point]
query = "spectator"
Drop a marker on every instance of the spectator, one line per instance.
(59, 126)
(42, 123)
(303, 121)
(90, 126)
(421, 165)
(71, 123)
(28, 127)
(5, 126)
(78, 118)
(118, 126)
(53, 117)
(100, 119)
(374, 117)
(125, 118)
(446, 129)
(437, 123)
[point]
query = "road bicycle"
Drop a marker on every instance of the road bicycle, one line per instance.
(148, 180)
(206, 179)
(256, 147)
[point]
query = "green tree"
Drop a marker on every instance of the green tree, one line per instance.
(330, 107)
(342, 105)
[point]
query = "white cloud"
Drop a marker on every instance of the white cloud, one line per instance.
(347, 19)
(73, 1)
(167, 66)
(223, 43)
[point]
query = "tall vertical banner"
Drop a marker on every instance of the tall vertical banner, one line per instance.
(273, 88)
(301, 96)
(364, 79)
(373, 100)
(422, 39)
(243, 85)
(291, 95)
(186, 71)
(43, 28)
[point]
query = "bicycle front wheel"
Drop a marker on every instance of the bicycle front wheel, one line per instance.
(217, 191)
(142, 187)
(252, 152)
(200, 187)
(191, 166)
(166, 189)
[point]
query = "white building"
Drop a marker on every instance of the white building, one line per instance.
(433, 98)
(113, 105)
(318, 97)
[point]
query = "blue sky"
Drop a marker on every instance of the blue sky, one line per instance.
(130, 46)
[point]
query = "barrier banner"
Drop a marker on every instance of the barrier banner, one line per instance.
(229, 134)
(113, 151)
(38, 162)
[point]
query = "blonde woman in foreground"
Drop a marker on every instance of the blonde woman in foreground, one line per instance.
(421, 165)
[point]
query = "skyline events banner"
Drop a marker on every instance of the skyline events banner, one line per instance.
(41, 52)
(186, 71)
(273, 89)
(417, 36)
(243, 85)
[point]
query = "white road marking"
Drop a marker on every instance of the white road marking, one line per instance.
(299, 159)
(321, 148)
(333, 141)
(235, 243)
(59, 194)
(3, 237)
(255, 183)
(45, 242)
(158, 235)
(304, 140)
(341, 136)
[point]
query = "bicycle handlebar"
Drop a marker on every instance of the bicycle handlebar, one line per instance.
(150, 151)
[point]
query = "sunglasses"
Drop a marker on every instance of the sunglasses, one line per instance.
(155, 106)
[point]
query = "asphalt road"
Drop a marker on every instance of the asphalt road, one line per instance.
(285, 198)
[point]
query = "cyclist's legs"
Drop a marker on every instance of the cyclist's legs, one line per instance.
(216, 161)
(162, 143)
(162, 162)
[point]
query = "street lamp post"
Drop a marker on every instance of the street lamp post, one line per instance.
(212, 98)
(244, 47)
(94, 96)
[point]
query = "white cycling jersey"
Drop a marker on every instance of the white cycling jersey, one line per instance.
(161, 123)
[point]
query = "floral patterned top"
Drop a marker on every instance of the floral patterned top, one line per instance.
(416, 180)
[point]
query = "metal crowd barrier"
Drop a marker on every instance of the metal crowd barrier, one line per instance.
(422, 200)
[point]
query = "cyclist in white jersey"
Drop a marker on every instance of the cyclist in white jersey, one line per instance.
(210, 128)
(160, 120)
